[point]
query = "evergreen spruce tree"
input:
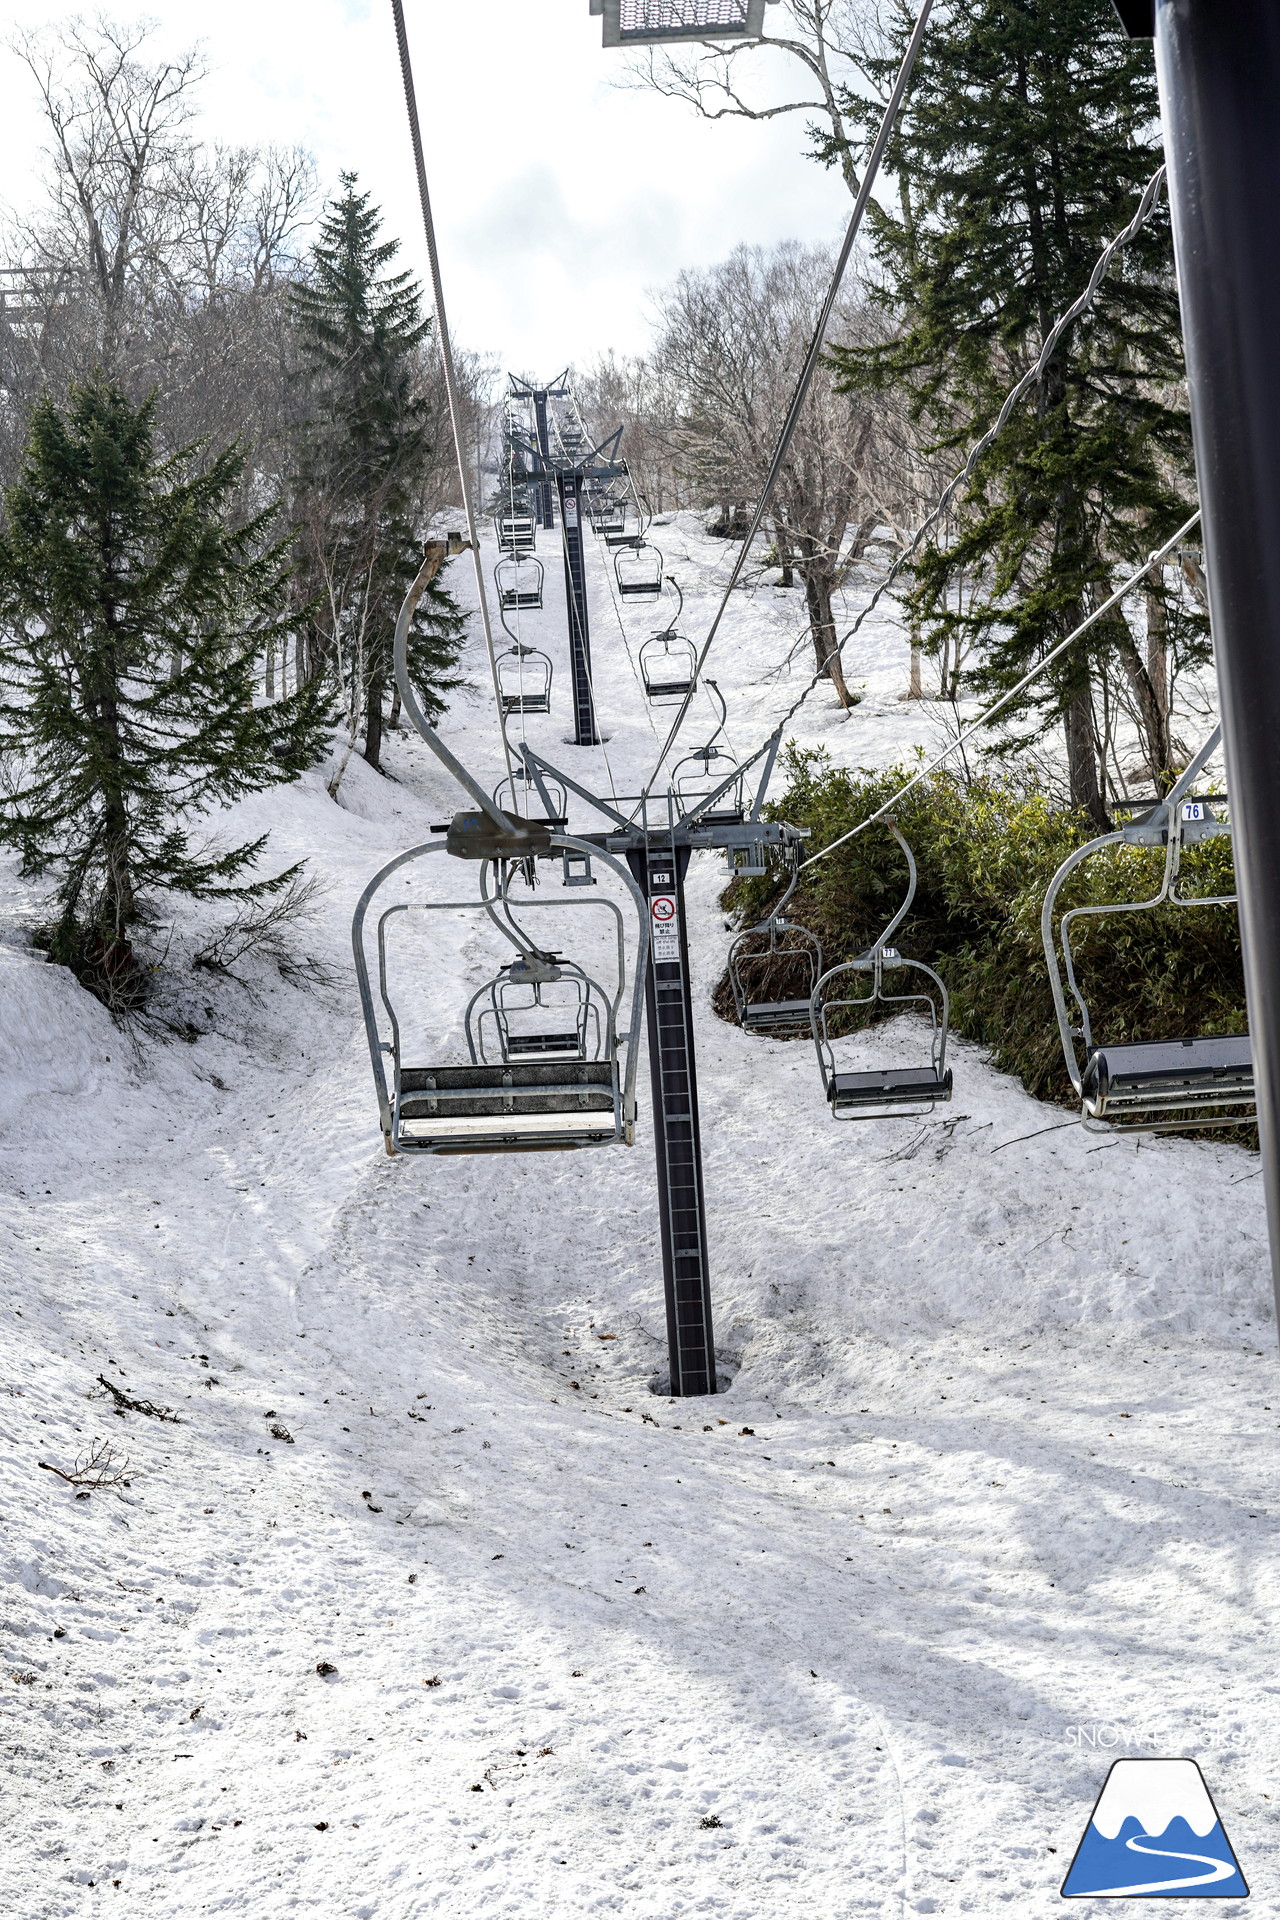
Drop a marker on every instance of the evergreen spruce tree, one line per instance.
(133, 617)
(363, 456)
(1029, 135)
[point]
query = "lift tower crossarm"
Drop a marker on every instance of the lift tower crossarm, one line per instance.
(539, 399)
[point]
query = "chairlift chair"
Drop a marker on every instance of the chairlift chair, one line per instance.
(773, 970)
(551, 1051)
(529, 797)
(701, 774)
(606, 514)
(547, 1008)
(640, 23)
(516, 531)
(624, 532)
(1149, 1086)
(668, 667)
(519, 580)
(524, 680)
(639, 572)
(889, 1092)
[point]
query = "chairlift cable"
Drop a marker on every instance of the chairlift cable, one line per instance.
(1146, 205)
(805, 381)
(626, 642)
(446, 355)
(1028, 679)
(631, 661)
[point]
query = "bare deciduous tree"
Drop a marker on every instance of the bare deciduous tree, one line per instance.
(829, 52)
(734, 339)
(638, 394)
(153, 257)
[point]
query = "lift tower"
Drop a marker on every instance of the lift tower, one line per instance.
(657, 839)
(539, 399)
(569, 473)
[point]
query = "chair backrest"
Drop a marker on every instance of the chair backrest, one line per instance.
(522, 797)
(516, 1019)
(668, 665)
(524, 674)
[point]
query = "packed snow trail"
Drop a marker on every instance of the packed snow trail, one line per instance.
(991, 1496)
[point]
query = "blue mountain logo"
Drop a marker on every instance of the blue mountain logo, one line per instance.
(1155, 1831)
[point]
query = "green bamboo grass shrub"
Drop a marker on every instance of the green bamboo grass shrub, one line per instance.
(986, 850)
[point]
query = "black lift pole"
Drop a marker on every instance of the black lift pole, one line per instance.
(1219, 70)
(658, 856)
(542, 433)
(540, 399)
(575, 593)
(659, 867)
(539, 465)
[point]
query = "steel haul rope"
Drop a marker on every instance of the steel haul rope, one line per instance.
(450, 371)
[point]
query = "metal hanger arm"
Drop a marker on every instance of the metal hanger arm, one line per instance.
(436, 554)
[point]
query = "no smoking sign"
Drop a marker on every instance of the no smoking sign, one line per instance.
(666, 927)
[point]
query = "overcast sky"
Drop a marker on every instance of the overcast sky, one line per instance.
(560, 199)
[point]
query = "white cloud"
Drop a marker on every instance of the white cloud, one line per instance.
(559, 197)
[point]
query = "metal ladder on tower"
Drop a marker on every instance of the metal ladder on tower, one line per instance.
(659, 866)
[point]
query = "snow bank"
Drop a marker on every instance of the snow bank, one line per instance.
(57, 1043)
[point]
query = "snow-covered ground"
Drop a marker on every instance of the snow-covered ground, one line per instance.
(990, 1500)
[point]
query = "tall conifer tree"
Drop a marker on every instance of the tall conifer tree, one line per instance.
(363, 455)
(1029, 135)
(133, 617)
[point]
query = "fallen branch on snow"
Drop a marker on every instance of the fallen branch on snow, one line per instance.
(125, 1403)
(100, 1467)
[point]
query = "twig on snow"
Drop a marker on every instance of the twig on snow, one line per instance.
(100, 1467)
(125, 1403)
(1035, 1136)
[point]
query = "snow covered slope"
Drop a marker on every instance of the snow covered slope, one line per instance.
(426, 1603)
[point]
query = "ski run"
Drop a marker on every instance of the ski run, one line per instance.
(426, 1603)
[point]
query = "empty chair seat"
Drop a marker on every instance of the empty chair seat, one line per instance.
(893, 1087)
(638, 570)
(537, 701)
(893, 983)
(524, 681)
(519, 580)
(1155, 1076)
(546, 1062)
(668, 666)
(516, 532)
(639, 23)
(540, 1043)
(763, 1016)
(479, 1109)
(1148, 1086)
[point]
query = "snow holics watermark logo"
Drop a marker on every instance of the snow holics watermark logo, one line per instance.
(1118, 1737)
(1154, 1830)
